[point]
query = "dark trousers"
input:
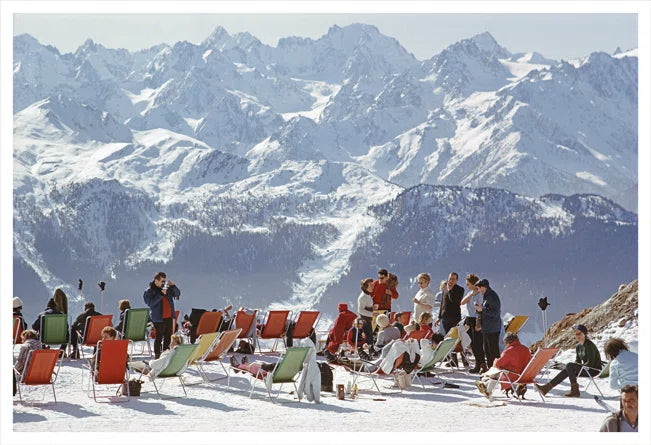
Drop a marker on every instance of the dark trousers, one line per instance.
(476, 341)
(491, 347)
(572, 371)
(368, 329)
(163, 334)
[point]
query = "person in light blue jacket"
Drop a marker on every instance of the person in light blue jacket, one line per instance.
(623, 367)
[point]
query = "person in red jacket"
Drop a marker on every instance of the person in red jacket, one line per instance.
(342, 324)
(356, 335)
(515, 358)
(384, 290)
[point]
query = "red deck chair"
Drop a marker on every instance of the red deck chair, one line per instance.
(174, 325)
(273, 328)
(305, 323)
(209, 322)
(533, 368)
(244, 321)
(416, 335)
(18, 329)
(111, 366)
(93, 330)
(39, 370)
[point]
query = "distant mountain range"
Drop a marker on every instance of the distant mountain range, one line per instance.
(282, 175)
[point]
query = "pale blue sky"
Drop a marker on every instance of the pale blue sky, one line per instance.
(558, 36)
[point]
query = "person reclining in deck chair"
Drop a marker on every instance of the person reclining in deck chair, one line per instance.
(515, 358)
(108, 333)
(387, 333)
(157, 365)
(337, 334)
(30, 343)
(252, 368)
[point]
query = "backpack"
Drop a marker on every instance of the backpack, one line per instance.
(134, 387)
(244, 347)
(326, 376)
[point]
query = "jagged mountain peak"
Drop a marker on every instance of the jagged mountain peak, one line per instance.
(217, 36)
(487, 43)
(618, 50)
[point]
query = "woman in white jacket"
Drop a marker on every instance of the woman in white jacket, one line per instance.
(623, 367)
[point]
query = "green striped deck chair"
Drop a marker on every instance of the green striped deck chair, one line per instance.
(135, 327)
(441, 353)
(179, 360)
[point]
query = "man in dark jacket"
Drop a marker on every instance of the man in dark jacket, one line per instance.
(489, 312)
(160, 299)
(51, 308)
(450, 311)
(80, 325)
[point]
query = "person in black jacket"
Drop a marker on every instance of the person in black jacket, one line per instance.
(18, 312)
(450, 312)
(123, 305)
(80, 325)
(50, 308)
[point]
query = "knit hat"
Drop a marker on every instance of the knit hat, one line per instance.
(17, 303)
(580, 327)
(382, 321)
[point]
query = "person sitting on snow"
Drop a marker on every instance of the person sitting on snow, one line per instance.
(515, 358)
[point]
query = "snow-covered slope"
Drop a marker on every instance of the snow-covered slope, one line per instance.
(230, 158)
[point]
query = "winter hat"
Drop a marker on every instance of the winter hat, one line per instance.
(342, 307)
(482, 283)
(580, 327)
(17, 303)
(51, 303)
(382, 321)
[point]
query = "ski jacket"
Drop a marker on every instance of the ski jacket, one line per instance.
(515, 358)
(623, 370)
(450, 310)
(80, 321)
(343, 323)
(587, 354)
(49, 310)
(491, 319)
(153, 297)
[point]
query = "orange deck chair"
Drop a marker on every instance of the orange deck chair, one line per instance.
(18, 329)
(273, 329)
(111, 366)
(209, 322)
(217, 353)
(39, 370)
(530, 372)
(93, 330)
(305, 323)
(244, 321)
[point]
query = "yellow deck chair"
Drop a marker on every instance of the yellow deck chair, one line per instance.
(204, 343)
(375, 314)
(516, 324)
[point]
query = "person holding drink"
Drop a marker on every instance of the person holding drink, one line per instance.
(160, 296)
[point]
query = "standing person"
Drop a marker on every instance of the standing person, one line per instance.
(160, 299)
(61, 300)
(424, 298)
(18, 312)
(450, 312)
(382, 293)
(623, 368)
(586, 354)
(491, 320)
(626, 419)
(79, 325)
(472, 298)
(365, 308)
(436, 308)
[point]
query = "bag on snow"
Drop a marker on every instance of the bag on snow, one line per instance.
(326, 376)
(134, 387)
(244, 347)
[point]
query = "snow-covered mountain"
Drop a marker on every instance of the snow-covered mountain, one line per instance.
(268, 173)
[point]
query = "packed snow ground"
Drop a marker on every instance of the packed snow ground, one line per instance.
(211, 407)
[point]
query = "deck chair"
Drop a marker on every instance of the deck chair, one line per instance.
(454, 333)
(516, 324)
(305, 323)
(441, 354)
(584, 372)
(54, 331)
(18, 330)
(135, 327)
(178, 362)
(216, 353)
(110, 367)
(93, 330)
(273, 329)
(285, 371)
(530, 372)
(39, 370)
(209, 323)
(245, 322)
(205, 342)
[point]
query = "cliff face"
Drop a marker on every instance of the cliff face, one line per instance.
(621, 308)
